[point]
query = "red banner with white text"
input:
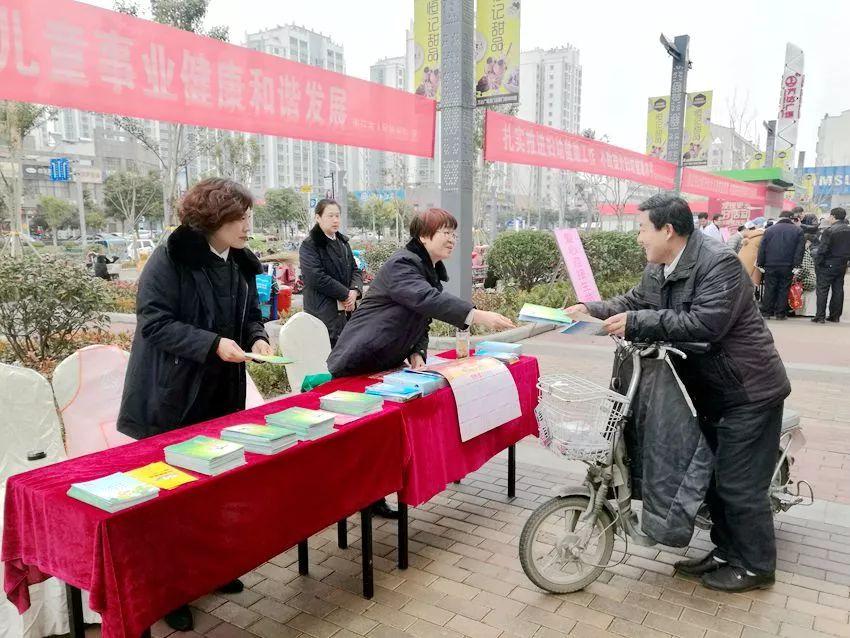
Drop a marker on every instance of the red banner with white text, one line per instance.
(70, 54)
(509, 139)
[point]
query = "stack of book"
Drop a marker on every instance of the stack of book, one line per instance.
(505, 352)
(394, 392)
(425, 381)
(114, 492)
(206, 455)
(304, 424)
(260, 439)
(353, 403)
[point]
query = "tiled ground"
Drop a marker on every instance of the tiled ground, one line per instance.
(465, 580)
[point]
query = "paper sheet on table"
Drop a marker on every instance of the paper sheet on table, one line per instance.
(484, 391)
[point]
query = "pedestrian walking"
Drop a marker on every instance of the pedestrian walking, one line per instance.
(780, 253)
(831, 261)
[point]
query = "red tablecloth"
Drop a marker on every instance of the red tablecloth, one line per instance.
(436, 455)
(142, 562)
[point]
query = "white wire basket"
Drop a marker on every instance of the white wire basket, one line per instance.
(577, 418)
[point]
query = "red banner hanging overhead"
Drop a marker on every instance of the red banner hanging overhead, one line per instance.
(70, 54)
(509, 139)
(708, 185)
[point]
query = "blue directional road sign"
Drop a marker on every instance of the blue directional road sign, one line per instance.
(60, 169)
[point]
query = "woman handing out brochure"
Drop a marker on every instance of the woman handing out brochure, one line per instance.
(391, 325)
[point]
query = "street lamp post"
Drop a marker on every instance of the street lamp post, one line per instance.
(336, 172)
(678, 50)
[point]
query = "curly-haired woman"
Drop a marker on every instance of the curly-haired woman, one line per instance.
(197, 312)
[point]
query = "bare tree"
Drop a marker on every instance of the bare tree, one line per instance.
(616, 193)
(742, 121)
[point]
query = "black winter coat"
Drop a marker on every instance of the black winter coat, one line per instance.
(175, 339)
(782, 246)
(708, 298)
(834, 249)
(392, 322)
(329, 273)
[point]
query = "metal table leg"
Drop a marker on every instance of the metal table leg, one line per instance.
(75, 611)
(512, 471)
(402, 535)
(342, 533)
(303, 567)
(366, 547)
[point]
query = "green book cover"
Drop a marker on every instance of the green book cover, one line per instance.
(113, 489)
(204, 447)
(265, 432)
(534, 312)
(299, 417)
(351, 398)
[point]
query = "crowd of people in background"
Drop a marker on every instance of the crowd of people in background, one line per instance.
(796, 247)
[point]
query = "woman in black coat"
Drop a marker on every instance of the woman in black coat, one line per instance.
(332, 280)
(391, 325)
(197, 312)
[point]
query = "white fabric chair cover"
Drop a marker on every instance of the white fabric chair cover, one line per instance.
(28, 422)
(88, 386)
(253, 398)
(305, 339)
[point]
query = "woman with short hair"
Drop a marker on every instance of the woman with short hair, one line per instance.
(391, 325)
(332, 280)
(197, 312)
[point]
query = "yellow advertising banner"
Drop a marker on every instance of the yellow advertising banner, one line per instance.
(782, 158)
(426, 48)
(497, 52)
(697, 129)
(656, 127)
(756, 161)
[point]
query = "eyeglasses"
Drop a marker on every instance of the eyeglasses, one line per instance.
(449, 233)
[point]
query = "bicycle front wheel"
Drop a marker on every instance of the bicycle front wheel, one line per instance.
(559, 552)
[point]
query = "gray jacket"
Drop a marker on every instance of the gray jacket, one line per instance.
(707, 298)
(392, 322)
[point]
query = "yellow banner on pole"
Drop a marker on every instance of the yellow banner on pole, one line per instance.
(426, 48)
(497, 54)
(656, 126)
(756, 161)
(697, 129)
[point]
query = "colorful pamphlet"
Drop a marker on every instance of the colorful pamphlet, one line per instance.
(161, 475)
(544, 314)
(269, 358)
(260, 439)
(304, 424)
(113, 493)
(426, 382)
(353, 403)
(206, 455)
(499, 346)
(394, 392)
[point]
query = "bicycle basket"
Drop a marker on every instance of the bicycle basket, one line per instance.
(577, 418)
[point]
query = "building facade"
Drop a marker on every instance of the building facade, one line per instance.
(288, 162)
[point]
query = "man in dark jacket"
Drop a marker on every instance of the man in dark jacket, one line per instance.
(831, 260)
(332, 280)
(696, 290)
(780, 253)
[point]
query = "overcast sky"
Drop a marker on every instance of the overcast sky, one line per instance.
(736, 46)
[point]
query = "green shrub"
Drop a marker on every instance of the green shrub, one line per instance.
(270, 379)
(44, 303)
(122, 296)
(377, 254)
(524, 258)
(613, 255)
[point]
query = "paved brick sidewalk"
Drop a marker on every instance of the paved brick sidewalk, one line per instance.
(465, 580)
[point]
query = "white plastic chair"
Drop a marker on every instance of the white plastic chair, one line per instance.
(28, 422)
(305, 339)
(88, 386)
(253, 398)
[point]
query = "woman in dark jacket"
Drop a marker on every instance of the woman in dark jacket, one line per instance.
(197, 312)
(332, 280)
(391, 325)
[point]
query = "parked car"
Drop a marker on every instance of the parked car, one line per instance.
(141, 247)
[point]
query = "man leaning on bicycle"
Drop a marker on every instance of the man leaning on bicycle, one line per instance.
(694, 289)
